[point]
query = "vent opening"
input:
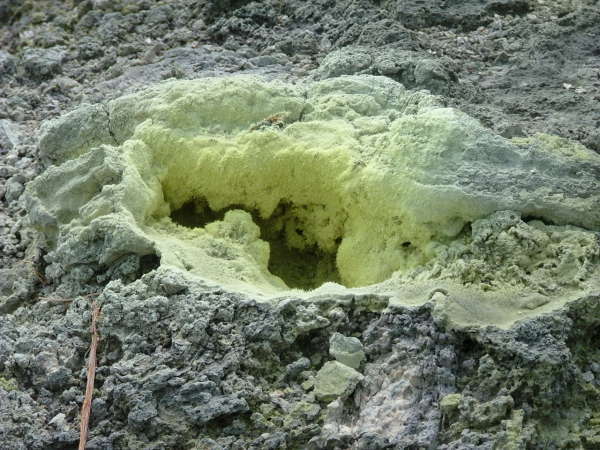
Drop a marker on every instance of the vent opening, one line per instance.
(294, 256)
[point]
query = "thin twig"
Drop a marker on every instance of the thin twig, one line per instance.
(56, 299)
(86, 408)
(42, 279)
(51, 299)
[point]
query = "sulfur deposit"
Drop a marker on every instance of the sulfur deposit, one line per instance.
(262, 187)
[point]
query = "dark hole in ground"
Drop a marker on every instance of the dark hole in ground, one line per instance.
(147, 264)
(302, 268)
(531, 218)
(306, 268)
(313, 343)
(196, 214)
(111, 350)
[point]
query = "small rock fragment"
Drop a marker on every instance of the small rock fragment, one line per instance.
(14, 188)
(7, 64)
(336, 380)
(41, 63)
(347, 350)
(293, 370)
(449, 404)
(58, 421)
(9, 132)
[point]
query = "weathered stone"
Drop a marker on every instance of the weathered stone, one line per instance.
(347, 350)
(41, 64)
(10, 135)
(294, 369)
(482, 415)
(217, 407)
(74, 133)
(335, 380)
(8, 64)
(449, 404)
(14, 188)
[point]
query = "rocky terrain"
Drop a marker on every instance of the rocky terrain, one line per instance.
(462, 314)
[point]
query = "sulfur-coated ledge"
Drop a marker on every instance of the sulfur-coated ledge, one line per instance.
(352, 182)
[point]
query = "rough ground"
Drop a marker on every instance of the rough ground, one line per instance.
(183, 366)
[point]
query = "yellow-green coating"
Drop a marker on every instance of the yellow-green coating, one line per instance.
(379, 179)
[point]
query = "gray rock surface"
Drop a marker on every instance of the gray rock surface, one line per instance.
(8, 64)
(408, 67)
(41, 64)
(167, 384)
(10, 135)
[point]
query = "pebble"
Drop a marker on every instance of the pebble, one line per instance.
(41, 63)
(14, 189)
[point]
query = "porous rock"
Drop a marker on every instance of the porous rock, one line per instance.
(41, 64)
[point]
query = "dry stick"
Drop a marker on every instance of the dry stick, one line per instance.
(36, 272)
(50, 299)
(55, 299)
(86, 408)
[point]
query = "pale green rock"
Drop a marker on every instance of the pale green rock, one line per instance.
(308, 384)
(449, 403)
(73, 134)
(513, 438)
(303, 410)
(489, 413)
(347, 350)
(335, 380)
(8, 384)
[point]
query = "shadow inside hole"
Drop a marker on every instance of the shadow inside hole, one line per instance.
(302, 268)
(147, 264)
(196, 214)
